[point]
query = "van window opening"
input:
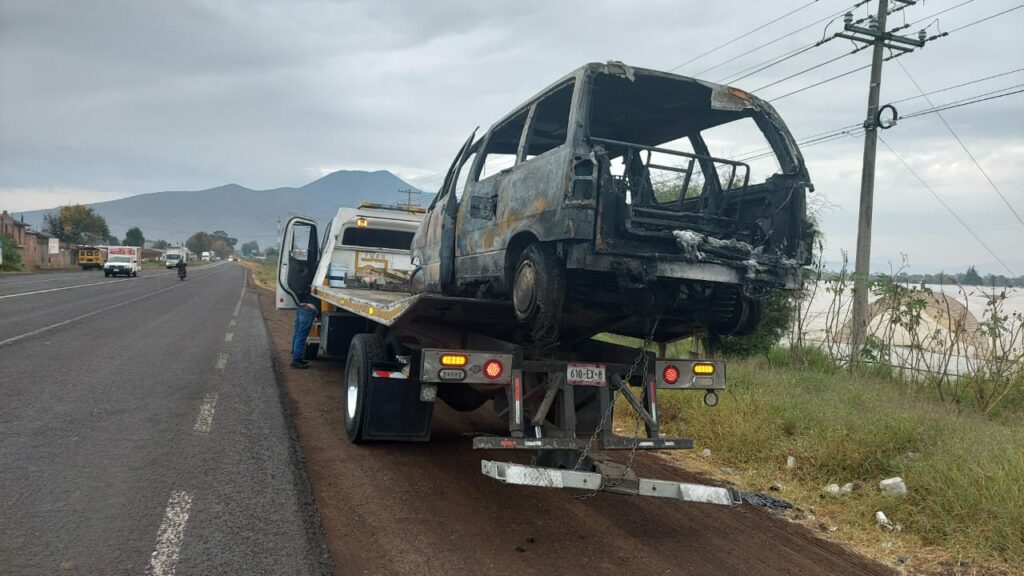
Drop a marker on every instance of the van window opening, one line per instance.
(550, 125)
(676, 115)
(377, 238)
(503, 146)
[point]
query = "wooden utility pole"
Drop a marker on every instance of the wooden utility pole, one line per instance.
(875, 34)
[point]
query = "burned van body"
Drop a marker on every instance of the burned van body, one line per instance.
(623, 200)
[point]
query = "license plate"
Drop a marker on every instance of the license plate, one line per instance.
(585, 374)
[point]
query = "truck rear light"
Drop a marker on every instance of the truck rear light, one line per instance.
(454, 359)
(703, 368)
(670, 374)
(493, 369)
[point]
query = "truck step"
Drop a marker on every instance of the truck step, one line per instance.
(526, 475)
(616, 443)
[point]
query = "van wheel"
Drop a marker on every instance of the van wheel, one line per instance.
(538, 291)
(366, 349)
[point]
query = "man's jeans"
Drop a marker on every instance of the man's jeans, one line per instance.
(303, 323)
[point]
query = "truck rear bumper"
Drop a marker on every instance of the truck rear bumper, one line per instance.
(525, 475)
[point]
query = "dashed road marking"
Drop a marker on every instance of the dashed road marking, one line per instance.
(238, 308)
(222, 361)
(169, 537)
(229, 336)
(205, 420)
(233, 323)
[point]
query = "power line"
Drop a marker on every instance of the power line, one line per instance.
(836, 77)
(946, 206)
(959, 103)
(961, 85)
(744, 35)
(979, 21)
(783, 37)
(940, 12)
(815, 67)
(962, 145)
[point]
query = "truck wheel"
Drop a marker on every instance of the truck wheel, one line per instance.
(366, 349)
(538, 290)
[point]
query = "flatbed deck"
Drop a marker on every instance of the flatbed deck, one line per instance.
(389, 307)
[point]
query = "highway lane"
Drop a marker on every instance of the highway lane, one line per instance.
(40, 281)
(149, 437)
(34, 306)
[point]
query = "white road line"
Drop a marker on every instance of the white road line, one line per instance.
(222, 361)
(66, 288)
(169, 538)
(87, 314)
(238, 308)
(232, 323)
(229, 336)
(205, 420)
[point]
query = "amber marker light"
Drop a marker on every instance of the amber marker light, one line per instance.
(454, 360)
(703, 369)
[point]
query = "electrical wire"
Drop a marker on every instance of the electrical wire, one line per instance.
(985, 19)
(783, 37)
(744, 35)
(946, 206)
(815, 67)
(959, 103)
(963, 146)
(961, 85)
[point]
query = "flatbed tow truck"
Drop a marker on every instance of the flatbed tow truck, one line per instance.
(405, 351)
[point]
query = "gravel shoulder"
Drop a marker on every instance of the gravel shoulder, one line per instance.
(426, 509)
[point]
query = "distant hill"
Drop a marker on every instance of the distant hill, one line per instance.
(244, 213)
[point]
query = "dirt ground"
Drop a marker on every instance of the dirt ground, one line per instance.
(426, 508)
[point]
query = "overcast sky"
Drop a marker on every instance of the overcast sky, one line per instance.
(100, 100)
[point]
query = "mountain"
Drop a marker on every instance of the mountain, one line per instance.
(244, 213)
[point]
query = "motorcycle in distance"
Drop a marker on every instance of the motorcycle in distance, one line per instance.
(181, 270)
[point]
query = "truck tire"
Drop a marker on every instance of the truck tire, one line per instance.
(538, 291)
(366, 349)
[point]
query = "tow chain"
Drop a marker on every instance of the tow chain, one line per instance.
(641, 357)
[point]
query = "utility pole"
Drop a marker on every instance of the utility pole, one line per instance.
(409, 192)
(876, 35)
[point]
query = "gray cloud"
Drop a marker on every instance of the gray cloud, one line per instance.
(126, 97)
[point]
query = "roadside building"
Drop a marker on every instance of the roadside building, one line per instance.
(41, 250)
(16, 229)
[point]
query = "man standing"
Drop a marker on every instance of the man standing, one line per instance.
(305, 313)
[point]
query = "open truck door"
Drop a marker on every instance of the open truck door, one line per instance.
(297, 262)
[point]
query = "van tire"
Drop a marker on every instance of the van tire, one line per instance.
(366, 349)
(538, 291)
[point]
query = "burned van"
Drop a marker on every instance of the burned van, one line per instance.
(623, 200)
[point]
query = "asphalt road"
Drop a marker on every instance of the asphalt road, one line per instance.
(142, 430)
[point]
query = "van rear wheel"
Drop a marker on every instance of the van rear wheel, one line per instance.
(538, 291)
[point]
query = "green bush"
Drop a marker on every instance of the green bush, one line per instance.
(965, 473)
(12, 258)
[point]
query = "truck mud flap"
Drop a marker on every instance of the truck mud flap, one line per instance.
(394, 411)
(525, 475)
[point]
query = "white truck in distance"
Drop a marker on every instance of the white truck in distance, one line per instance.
(122, 260)
(175, 255)
(207, 256)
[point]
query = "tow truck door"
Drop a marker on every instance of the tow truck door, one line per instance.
(297, 261)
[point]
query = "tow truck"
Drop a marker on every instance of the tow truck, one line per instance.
(404, 351)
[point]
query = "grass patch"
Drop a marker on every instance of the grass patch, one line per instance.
(263, 272)
(965, 473)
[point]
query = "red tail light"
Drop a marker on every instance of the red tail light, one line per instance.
(493, 369)
(670, 374)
